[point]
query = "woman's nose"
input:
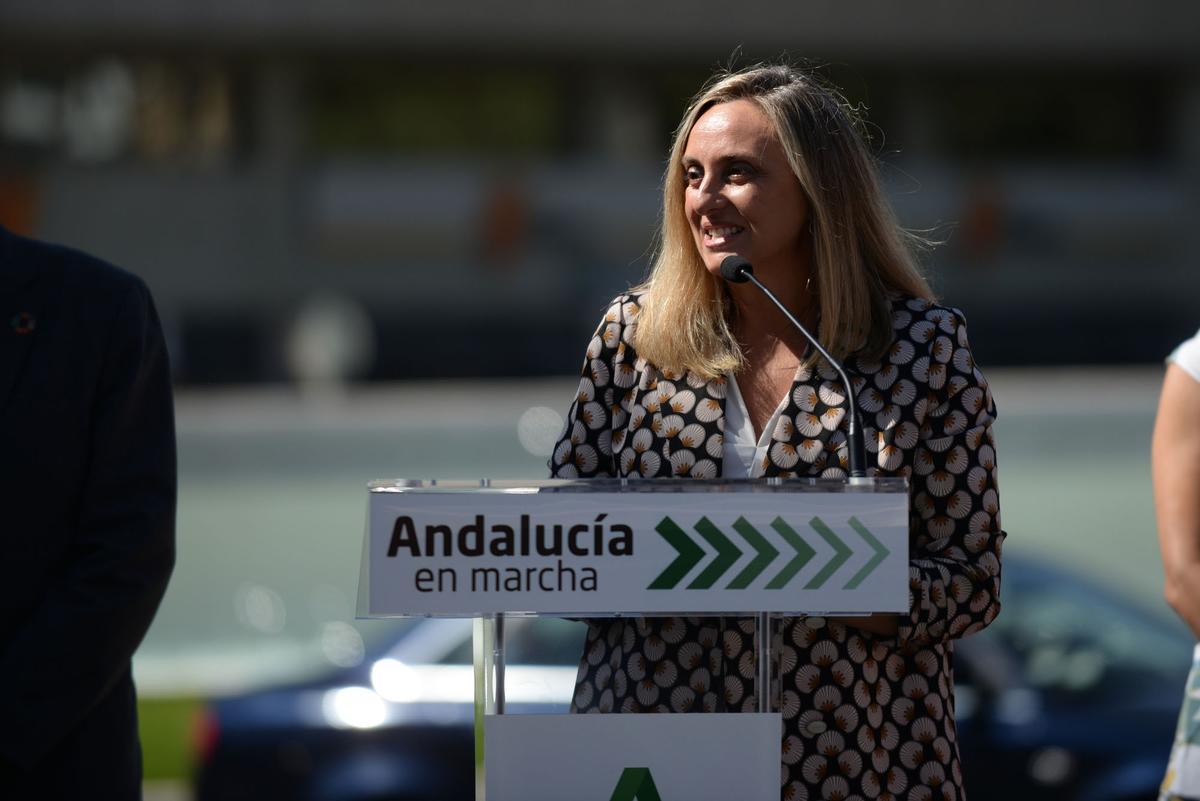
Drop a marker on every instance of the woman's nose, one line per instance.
(709, 194)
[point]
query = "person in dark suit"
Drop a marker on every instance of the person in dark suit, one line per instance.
(87, 517)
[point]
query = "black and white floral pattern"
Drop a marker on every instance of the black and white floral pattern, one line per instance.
(865, 717)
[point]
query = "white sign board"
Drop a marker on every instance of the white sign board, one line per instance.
(605, 553)
(627, 757)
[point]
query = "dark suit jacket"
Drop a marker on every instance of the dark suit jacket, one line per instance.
(87, 517)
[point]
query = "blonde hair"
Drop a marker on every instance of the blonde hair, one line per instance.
(861, 255)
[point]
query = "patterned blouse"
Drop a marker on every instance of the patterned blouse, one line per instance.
(865, 716)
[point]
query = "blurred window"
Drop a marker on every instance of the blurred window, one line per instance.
(1079, 117)
(384, 108)
(1062, 114)
(108, 110)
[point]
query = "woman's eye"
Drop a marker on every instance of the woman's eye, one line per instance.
(693, 174)
(740, 171)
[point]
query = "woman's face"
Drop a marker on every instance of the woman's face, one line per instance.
(741, 195)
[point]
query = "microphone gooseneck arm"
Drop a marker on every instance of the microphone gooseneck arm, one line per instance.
(737, 270)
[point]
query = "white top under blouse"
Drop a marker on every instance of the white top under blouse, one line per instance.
(744, 455)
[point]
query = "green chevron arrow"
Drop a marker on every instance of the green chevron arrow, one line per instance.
(635, 783)
(766, 554)
(727, 554)
(689, 554)
(880, 553)
(841, 554)
(803, 550)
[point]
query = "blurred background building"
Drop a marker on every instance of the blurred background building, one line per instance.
(389, 170)
(379, 190)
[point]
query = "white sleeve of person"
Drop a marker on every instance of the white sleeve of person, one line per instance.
(1187, 356)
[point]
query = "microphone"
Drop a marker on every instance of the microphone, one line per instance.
(736, 270)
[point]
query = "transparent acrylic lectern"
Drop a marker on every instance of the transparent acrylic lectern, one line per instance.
(605, 548)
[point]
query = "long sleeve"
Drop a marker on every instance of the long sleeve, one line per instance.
(956, 538)
(102, 595)
(585, 447)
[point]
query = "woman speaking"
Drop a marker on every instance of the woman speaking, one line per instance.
(691, 375)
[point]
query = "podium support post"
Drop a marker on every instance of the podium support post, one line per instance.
(487, 643)
(765, 631)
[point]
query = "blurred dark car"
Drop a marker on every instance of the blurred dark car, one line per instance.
(1072, 693)
(399, 726)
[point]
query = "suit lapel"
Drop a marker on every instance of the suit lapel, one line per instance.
(20, 306)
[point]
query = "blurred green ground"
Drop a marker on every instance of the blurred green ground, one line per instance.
(166, 730)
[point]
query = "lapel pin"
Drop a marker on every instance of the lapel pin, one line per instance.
(23, 323)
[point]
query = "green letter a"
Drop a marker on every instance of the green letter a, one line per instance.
(636, 783)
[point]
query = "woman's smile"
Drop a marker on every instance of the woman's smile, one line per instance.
(717, 237)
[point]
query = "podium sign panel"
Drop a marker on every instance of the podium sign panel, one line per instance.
(605, 548)
(623, 757)
(618, 547)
